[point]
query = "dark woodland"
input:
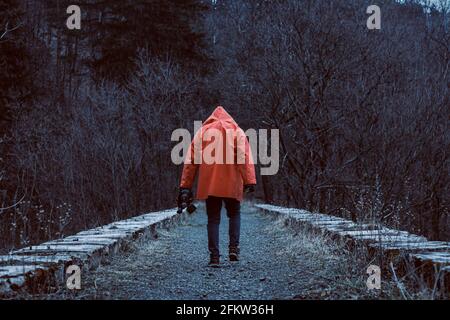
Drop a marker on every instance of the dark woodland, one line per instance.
(86, 115)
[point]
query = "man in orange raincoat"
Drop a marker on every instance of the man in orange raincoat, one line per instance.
(220, 153)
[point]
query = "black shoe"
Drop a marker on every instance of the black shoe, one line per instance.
(214, 262)
(234, 254)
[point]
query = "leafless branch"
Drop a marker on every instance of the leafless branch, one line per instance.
(14, 205)
(8, 30)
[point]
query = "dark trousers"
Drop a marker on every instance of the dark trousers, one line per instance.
(213, 207)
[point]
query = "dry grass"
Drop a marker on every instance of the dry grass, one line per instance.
(335, 272)
(343, 269)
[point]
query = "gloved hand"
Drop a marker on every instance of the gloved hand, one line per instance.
(185, 199)
(249, 188)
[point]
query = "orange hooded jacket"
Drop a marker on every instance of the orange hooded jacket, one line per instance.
(217, 142)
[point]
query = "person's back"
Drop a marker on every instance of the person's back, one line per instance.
(221, 155)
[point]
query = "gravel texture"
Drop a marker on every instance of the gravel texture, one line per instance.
(175, 266)
(277, 262)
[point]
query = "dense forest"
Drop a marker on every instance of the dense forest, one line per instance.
(86, 115)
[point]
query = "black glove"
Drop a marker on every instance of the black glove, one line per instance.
(249, 188)
(185, 199)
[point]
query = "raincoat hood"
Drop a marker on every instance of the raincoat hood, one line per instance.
(220, 115)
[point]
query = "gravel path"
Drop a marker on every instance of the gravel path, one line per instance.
(175, 265)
